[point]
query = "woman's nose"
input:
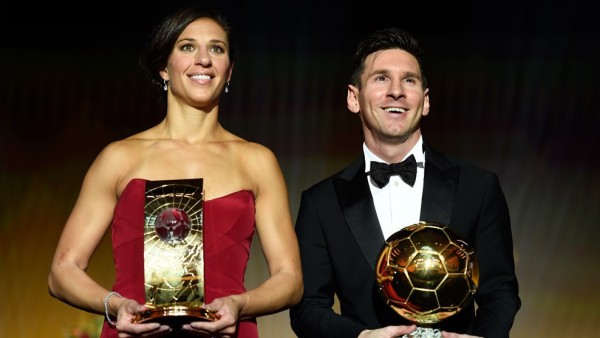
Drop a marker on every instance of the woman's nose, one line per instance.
(203, 59)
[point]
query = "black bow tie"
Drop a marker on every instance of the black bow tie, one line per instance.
(381, 172)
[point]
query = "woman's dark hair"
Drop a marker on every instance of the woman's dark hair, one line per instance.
(164, 36)
(383, 39)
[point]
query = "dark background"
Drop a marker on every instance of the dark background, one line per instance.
(514, 88)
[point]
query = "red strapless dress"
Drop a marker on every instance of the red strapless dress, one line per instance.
(228, 231)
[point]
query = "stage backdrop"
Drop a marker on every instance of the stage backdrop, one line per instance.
(514, 88)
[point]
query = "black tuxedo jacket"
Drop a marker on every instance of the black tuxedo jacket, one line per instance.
(340, 239)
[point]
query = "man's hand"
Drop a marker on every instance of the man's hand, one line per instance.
(388, 331)
(456, 335)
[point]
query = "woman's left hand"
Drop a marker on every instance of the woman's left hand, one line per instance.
(227, 311)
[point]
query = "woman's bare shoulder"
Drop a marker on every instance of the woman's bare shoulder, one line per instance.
(258, 157)
(253, 148)
(252, 152)
(119, 161)
(125, 147)
(121, 153)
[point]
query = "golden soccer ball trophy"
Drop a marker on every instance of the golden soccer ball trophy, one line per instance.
(426, 273)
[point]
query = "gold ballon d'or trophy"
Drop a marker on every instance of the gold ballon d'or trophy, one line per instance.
(174, 253)
(427, 273)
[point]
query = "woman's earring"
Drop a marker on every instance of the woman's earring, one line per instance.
(165, 83)
(227, 87)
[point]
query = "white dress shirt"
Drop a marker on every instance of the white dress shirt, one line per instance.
(397, 204)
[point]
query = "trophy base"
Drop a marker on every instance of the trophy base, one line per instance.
(424, 332)
(175, 315)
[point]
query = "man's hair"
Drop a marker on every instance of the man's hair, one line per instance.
(383, 39)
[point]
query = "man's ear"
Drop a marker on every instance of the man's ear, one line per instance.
(352, 99)
(426, 103)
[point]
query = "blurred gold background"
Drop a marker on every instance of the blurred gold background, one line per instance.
(514, 88)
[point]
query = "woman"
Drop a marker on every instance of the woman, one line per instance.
(191, 55)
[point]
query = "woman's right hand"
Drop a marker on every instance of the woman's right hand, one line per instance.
(127, 311)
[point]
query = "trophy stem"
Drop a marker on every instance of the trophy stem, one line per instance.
(424, 332)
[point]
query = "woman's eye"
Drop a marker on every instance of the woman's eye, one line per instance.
(188, 47)
(217, 49)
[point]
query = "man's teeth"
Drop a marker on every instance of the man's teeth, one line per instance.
(396, 109)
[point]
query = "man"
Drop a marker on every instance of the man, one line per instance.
(343, 221)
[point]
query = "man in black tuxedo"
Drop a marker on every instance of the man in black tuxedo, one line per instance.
(343, 221)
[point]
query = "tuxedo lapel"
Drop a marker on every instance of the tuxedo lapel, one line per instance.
(356, 202)
(439, 187)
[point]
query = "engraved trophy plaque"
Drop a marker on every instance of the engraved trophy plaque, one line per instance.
(174, 253)
(426, 273)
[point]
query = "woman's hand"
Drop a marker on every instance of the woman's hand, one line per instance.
(127, 310)
(228, 310)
